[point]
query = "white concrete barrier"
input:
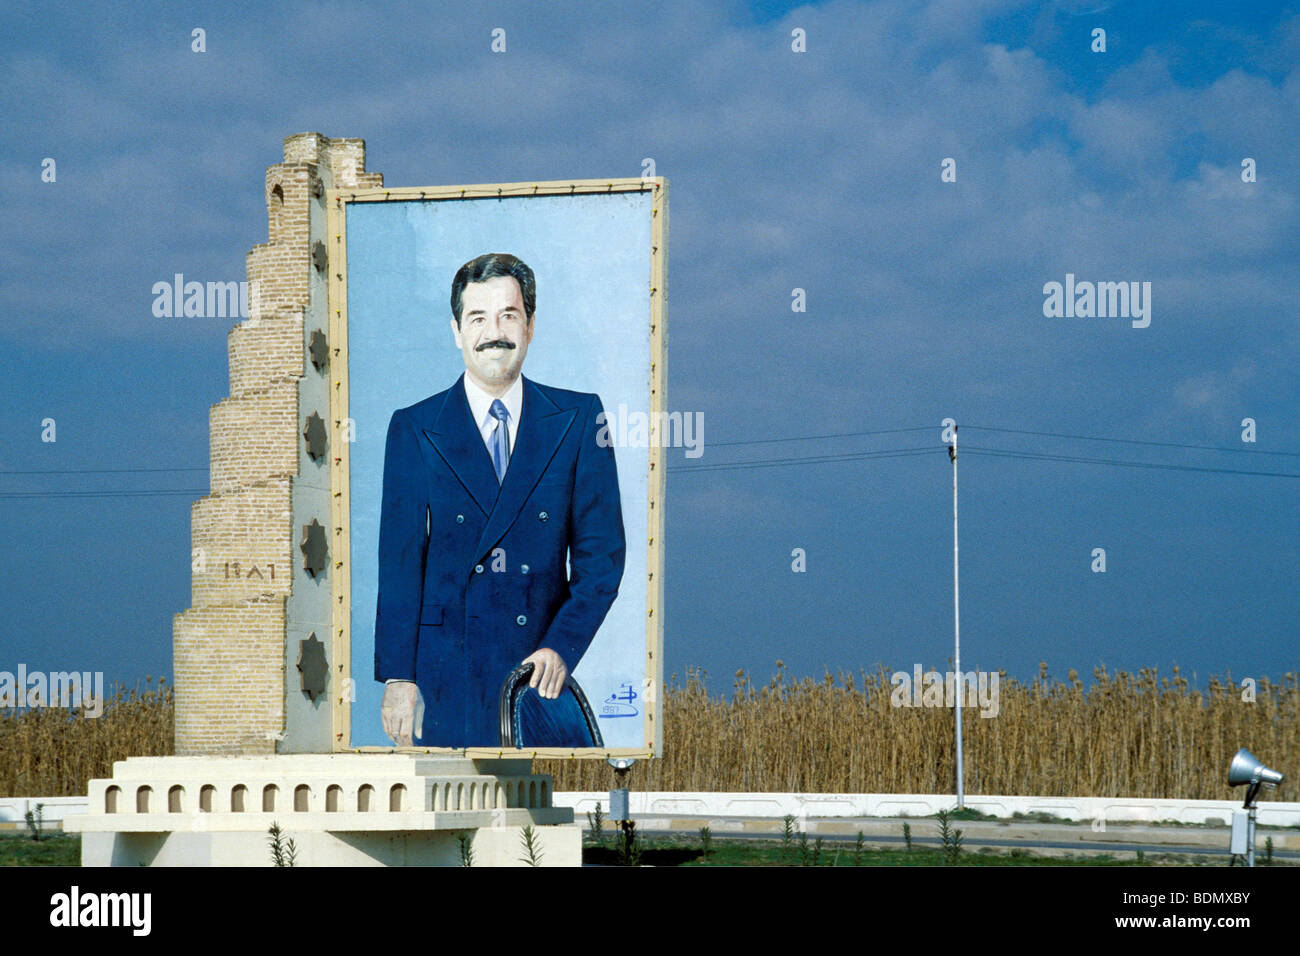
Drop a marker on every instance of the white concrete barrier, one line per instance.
(802, 805)
(777, 805)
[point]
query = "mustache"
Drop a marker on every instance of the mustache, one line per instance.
(495, 343)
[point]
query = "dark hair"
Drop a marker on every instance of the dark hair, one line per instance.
(490, 266)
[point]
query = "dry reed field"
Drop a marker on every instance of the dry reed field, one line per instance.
(53, 752)
(1124, 735)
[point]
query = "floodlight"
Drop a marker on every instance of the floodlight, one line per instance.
(1248, 770)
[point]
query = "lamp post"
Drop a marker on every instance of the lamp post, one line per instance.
(956, 622)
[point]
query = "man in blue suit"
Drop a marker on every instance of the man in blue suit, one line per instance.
(489, 488)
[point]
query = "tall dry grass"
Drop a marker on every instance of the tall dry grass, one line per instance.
(55, 752)
(1124, 735)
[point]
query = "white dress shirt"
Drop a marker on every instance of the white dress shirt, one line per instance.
(480, 406)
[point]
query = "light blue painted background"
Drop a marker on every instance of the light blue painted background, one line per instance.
(591, 259)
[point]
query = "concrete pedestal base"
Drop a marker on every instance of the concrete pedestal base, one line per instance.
(339, 809)
(504, 846)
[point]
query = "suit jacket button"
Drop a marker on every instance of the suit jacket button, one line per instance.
(521, 620)
(543, 516)
(478, 569)
(523, 568)
(460, 519)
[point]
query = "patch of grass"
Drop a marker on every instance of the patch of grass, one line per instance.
(1039, 817)
(966, 813)
(1042, 817)
(685, 851)
(54, 849)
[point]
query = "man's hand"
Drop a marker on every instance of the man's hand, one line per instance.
(399, 710)
(549, 672)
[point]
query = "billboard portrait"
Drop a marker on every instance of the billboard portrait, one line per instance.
(499, 526)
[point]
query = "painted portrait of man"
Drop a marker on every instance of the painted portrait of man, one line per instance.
(501, 536)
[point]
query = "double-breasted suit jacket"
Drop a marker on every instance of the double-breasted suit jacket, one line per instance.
(472, 574)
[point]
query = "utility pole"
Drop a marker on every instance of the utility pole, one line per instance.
(957, 684)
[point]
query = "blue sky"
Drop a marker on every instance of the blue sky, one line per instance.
(817, 170)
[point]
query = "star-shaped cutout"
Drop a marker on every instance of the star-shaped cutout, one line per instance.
(318, 348)
(312, 667)
(315, 550)
(317, 438)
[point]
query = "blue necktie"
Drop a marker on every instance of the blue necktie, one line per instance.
(500, 439)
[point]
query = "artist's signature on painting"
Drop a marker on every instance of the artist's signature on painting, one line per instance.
(619, 703)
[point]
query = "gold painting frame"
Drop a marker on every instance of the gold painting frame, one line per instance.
(336, 203)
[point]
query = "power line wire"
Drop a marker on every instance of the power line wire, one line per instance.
(765, 441)
(1133, 441)
(762, 463)
(95, 471)
(150, 493)
(806, 460)
(1043, 456)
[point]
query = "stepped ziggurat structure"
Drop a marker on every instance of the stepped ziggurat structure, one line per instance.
(231, 645)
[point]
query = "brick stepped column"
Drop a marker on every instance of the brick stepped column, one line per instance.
(230, 647)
